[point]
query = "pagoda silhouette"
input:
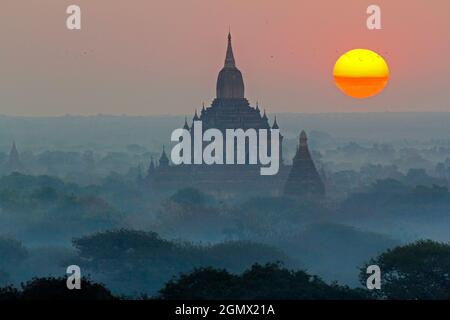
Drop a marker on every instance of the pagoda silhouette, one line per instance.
(231, 110)
(13, 164)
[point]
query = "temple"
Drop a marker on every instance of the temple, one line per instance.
(303, 179)
(231, 110)
(13, 163)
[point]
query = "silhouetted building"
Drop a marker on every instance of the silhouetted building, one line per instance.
(229, 110)
(13, 163)
(164, 160)
(303, 179)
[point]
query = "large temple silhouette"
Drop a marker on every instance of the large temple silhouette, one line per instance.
(231, 110)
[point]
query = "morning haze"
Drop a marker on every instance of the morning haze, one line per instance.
(83, 184)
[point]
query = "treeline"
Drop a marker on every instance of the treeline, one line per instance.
(131, 262)
(415, 271)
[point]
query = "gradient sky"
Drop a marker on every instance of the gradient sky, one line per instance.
(145, 57)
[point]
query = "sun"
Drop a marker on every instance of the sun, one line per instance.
(361, 73)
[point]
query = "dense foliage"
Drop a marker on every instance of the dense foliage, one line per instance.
(137, 261)
(56, 289)
(417, 271)
(269, 281)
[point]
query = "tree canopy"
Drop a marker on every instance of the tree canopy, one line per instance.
(417, 271)
(269, 281)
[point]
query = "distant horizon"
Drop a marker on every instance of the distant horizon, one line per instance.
(269, 114)
(106, 132)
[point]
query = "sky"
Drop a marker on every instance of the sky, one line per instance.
(153, 57)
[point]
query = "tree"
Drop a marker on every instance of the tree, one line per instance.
(190, 212)
(269, 281)
(56, 289)
(9, 293)
(136, 261)
(202, 283)
(417, 271)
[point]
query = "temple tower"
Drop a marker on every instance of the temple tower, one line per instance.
(14, 164)
(163, 160)
(303, 180)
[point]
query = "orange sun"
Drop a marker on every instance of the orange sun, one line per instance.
(361, 73)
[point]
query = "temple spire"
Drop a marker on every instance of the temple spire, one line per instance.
(196, 118)
(186, 126)
(275, 124)
(303, 141)
(230, 84)
(14, 149)
(163, 160)
(14, 164)
(264, 115)
(229, 58)
(304, 179)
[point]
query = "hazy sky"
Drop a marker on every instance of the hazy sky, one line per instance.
(144, 57)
